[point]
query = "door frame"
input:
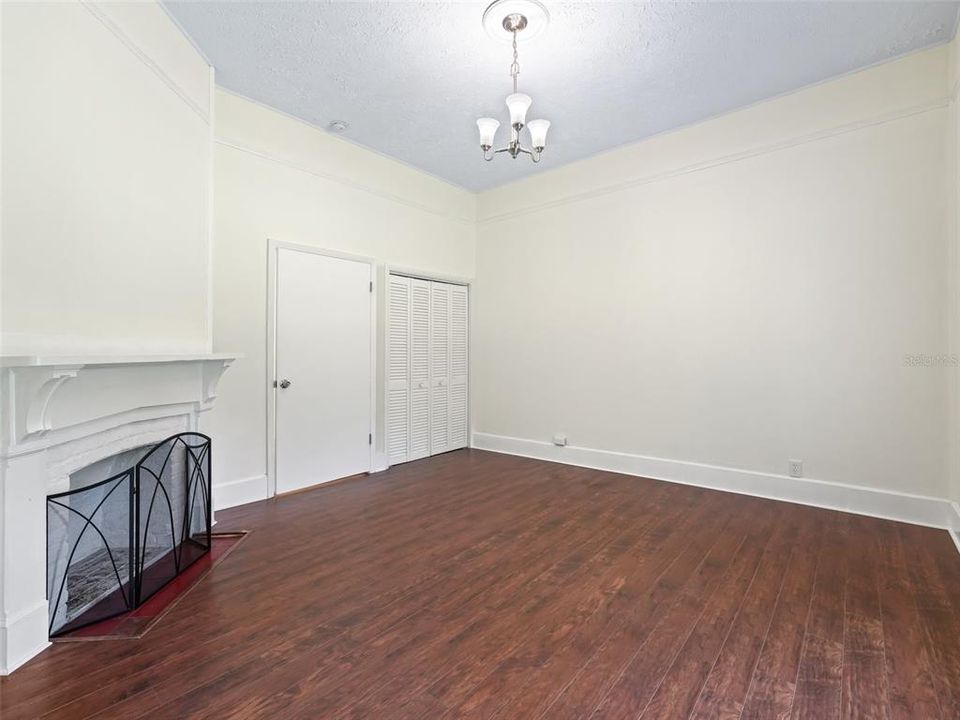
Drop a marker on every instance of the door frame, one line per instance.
(434, 277)
(273, 251)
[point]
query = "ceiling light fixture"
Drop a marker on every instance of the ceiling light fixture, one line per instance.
(520, 16)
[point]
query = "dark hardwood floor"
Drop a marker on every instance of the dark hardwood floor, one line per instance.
(487, 586)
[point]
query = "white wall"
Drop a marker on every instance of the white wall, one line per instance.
(735, 293)
(106, 181)
(279, 178)
(104, 237)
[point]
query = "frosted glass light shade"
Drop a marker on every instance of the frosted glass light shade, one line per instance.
(488, 129)
(538, 132)
(518, 104)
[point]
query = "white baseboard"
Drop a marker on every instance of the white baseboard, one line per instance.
(886, 504)
(22, 637)
(955, 524)
(239, 492)
(380, 462)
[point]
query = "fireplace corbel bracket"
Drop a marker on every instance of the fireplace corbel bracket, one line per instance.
(211, 373)
(36, 388)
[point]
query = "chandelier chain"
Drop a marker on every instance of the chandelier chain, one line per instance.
(515, 67)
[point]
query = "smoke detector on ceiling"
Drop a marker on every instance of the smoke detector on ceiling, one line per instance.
(338, 126)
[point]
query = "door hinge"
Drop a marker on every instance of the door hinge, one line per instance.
(370, 439)
(371, 286)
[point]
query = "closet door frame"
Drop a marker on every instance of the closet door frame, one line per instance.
(416, 274)
(273, 248)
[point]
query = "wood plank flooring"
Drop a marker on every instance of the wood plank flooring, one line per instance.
(477, 585)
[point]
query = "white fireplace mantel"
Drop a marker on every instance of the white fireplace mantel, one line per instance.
(59, 414)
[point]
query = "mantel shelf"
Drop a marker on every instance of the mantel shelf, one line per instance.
(14, 361)
(50, 397)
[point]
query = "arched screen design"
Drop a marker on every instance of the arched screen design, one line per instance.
(112, 544)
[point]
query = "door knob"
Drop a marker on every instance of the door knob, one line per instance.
(284, 384)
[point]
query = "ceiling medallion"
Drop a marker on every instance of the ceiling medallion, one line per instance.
(515, 17)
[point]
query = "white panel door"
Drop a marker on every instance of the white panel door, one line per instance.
(457, 397)
(439, 367)
(419, 446)
(398, 369)
(323, 351)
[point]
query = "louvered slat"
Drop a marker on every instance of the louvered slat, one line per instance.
(458, 416)
(439, 366)
(419, 446)
(457, 399)
(398, 370)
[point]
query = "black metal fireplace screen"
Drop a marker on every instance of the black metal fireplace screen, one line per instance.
(114, 543)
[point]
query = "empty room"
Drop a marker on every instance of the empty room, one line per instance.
(523, 360)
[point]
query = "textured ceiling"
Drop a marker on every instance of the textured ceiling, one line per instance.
(411, 78)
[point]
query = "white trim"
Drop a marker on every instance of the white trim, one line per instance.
(885, 504)
(955, 524)
(347, 182)
(16, 633)
(765, 149)
(273, 247)
(428, 275)
(381, 462)
(239, 492)
(271, 469)
(162, 74)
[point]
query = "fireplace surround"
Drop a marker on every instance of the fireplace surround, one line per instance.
(60, 417)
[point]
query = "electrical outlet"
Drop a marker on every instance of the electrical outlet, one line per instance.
(795, 468)
(560, 440)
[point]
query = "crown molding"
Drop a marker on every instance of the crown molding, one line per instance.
(133, 47)
(759, 150)
(346, 182)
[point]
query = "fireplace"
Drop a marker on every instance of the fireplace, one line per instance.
(120, 441)
(129, 524)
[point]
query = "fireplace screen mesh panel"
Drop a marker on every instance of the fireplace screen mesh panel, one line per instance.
(114, 543)
(173, 507)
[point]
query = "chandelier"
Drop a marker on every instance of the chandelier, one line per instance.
(519, 16)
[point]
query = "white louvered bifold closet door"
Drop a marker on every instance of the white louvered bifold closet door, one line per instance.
(457, 396)
(427, 360)
(398, 370)
(439, 367)
(419, 446)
